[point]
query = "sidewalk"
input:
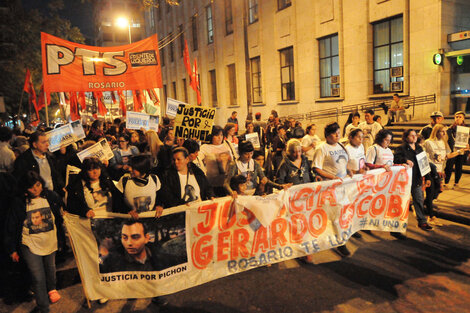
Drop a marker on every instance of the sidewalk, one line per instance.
(454, 204)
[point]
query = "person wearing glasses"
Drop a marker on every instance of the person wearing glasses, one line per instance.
(119, 165)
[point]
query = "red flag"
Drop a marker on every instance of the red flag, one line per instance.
(67, 97)
(29, 88)
(99, 100)
(41, 103)
(113, 97)
(138, 100)
(187, 62)
(74, 114)
(153, 96)
(122, 102)
(195, 82)
(82, 100)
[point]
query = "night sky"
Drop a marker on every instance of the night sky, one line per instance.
(78, 13)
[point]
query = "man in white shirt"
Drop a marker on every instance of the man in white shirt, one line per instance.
(370, 129)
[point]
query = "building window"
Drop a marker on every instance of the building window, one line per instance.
(388, 52)
(173, 89)
(185, 90)
(329, 66)
(287, 74)
(194, 32)
(172, 48)
(228, 17)
(282, 4)
(181, 34)
(213, 85)
(232, 82)
(257, 95)
(210, 26)
(252, 11)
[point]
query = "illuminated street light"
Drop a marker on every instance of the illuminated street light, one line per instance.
(123, 22)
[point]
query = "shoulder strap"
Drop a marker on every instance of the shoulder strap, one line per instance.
(154, 177)
(125, 179)
(375, 148)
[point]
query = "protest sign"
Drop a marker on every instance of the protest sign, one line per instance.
(61, 136)
(254, 139)
(461, 137)
(77, 130)
(101, 150)
(423, 163)
(196, 243)
(172, 107)
(138, 120)
(193, 121)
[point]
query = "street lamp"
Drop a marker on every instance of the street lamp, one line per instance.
(123, 22)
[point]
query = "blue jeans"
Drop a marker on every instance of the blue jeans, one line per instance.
(418, 203)
(42, 270)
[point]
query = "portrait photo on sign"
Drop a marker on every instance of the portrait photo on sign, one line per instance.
(146, 244)
(39, 221)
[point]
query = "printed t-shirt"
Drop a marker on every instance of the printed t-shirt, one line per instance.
(437, 152)
(96, 199)
(332, 159)
(140, 198)
(379, 156)
(357, 158)
(190, 190)
(39, 231)
(217, 159)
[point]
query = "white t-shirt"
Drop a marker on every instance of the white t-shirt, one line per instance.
(96, 199)
(125, 155)
(437, 151)
(357, 158)
(307, 141)
(39, 232)
(349, 129)
(140, 198)
(370, 131)
(216, 158)
(190, 190)
(332, 159)
(379, 156)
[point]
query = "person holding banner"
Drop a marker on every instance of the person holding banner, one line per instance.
(119, 165)
(379, 154)
(458, 161)
(184, 181)
(92, 191)
(32, 233)
(406, 153)
(140, 187)
(216, 157)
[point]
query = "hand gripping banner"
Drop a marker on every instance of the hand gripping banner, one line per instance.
(190, 245)
(69, 66)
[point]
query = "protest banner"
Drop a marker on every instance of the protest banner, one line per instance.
(69, 66)
(254, 139)
(138, 120)
(193, 121)
(77, 130)
(423, 163)
(461, 137)
(196, 243)
(172, 107)
(101, 150)
(60, 137)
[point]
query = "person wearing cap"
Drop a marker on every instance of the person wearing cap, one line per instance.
(459, 120)
(436, 118)
(246, 166)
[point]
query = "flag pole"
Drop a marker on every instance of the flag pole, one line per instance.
(47, 114)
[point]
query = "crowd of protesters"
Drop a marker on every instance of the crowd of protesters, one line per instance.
(155, 171)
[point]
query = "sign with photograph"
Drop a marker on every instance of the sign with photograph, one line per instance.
(172, 107)
(101, 150)
(194, 121)
(423, 163)
(138, 120)
(196, 243)
(60, 137)
(254, 139)
(461, 137)
(77, 130)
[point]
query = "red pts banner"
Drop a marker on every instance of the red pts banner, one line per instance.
(69, 66)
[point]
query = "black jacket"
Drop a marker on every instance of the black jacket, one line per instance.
(170, 193)
(404, 153)
(26, 162)
(76, 203)
(17, 215)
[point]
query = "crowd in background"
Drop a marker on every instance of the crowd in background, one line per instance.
(152, 171)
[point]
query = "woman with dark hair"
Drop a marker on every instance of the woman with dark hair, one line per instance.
(216, 157)
(379, 154)
(230, 131)
(406, 153)
(351, 124)
(140, 187)
(355, 149)
(246, 166)
(92, 191)
(96, 131)
(119, 165)
(32, 229)
(184, 181)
